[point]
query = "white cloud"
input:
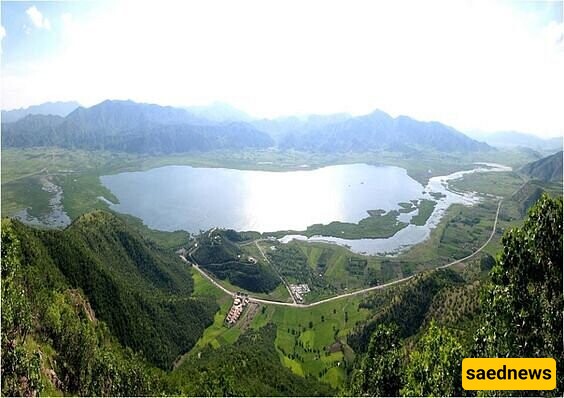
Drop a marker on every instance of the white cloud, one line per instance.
(38, 20)
(474, 65)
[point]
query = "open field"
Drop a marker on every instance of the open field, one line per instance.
(338, 266)
(19, 194)
(313, 341)
(305, 338)
(502, 184)
(216, 334)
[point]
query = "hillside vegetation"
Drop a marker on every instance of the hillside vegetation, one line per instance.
(218, 254)
(94, 309)
(142, 293)
(249, 367)
(415, 344)
(52, 340)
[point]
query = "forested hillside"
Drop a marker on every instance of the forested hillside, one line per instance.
(98, 310)
(141, 292)
(53, 342)
(219, 255)
(415, 344)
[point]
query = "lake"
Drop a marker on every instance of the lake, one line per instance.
(182, 197)
(193, 199)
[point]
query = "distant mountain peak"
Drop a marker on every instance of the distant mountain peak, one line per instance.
(124, 125)
(518, 139)
(58, 108)
(219, 112)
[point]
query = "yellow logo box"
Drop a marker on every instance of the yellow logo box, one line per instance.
(509, 374)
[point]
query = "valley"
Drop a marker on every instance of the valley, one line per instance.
(444, 231)
(313, 335)
(294, 199)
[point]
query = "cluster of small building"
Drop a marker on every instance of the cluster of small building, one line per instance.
(299, 290)
(240, 301)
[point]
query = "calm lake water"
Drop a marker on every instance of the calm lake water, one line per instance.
(413, 234)
(182, 197)
(193, 199)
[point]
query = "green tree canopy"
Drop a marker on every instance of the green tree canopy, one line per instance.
(523, 304)
(20, 368)
(381, 371)
(434, 367)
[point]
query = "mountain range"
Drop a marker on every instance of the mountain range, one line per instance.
(147, 128)
(517, 139)
(379, 131)
(60, 108)
(132, 127)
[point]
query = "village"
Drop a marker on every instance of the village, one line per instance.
(240, 301)
(299, 290)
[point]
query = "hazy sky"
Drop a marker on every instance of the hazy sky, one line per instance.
(472, 64)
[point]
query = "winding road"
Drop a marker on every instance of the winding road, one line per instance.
(356, 292)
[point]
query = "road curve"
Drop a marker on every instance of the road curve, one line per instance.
(356, 292)
(209, 278)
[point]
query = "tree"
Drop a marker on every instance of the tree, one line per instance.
(487, 262)
(523, 304)
(20, 369)
(434, 368)
(381, 370)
